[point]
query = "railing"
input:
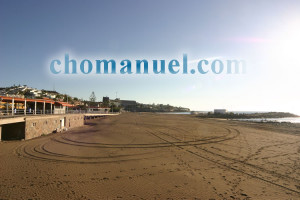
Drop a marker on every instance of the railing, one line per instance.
(17, 112)
(90, 112)
(21, 112)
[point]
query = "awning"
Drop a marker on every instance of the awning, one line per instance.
(22, 100)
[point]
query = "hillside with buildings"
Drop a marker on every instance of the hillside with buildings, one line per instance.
(23, 91)
(23, 94)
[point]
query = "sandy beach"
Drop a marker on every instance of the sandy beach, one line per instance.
(155, 156)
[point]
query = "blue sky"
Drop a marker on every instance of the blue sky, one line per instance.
(263, 33)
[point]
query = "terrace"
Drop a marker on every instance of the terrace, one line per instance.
(12, 106)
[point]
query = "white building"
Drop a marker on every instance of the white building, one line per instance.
(98, 110)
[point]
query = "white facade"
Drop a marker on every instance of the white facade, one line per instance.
(59, 110)
(98, 110)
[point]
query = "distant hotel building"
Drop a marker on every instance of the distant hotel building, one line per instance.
(128, 105)
(220, 111)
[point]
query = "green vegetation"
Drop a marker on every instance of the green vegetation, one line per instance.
(114, 108)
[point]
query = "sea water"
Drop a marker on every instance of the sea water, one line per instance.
(285, 119)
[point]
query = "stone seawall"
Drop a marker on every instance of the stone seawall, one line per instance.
(28, 127)
(43, 125)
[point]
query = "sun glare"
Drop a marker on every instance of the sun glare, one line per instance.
(285, 48)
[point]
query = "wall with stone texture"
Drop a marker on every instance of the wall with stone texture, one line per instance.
(43, 125)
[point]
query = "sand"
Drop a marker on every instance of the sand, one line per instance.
(154, 156)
